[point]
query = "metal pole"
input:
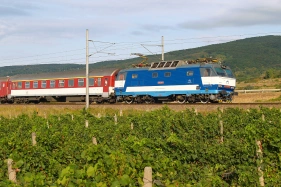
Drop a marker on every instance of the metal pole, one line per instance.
(162, 48)
(87, 69)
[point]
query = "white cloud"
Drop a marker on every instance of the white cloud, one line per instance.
(56, 24)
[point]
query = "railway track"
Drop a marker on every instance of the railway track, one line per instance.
(153, 104)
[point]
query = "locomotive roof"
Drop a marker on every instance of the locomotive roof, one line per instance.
(165, 65)
(65, 74)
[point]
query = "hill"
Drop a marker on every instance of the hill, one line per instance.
(249, 58)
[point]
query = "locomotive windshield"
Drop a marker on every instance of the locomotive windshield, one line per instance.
(224, 72)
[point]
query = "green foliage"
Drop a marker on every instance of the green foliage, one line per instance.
(183, 148)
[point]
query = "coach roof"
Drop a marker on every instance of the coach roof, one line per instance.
(65, 74)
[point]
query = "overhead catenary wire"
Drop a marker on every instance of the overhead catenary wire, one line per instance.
(121, 50)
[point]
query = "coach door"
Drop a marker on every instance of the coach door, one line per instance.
(105, 83)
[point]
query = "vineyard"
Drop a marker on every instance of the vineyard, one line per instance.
(234, 147)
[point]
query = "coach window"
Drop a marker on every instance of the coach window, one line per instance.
(43, 84)
(105, 81)
(70, 83)
(189, 73)
(27, 84)
(61, 83)
(52, 83)
(80, 82)
(167, 74)
(19, 85)
(91, 81)
(99, 81)
(35, 84)
(134, 76)
(154, 75)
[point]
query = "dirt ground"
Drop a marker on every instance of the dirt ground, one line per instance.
(256, 97)
(243, 100)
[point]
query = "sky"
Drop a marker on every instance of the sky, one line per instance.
(54, 31)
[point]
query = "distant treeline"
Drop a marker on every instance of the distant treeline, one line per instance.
(249, 58)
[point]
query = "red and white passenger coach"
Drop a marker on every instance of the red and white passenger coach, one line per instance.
(59, 86)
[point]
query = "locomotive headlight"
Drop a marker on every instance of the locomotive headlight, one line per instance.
(232, 87)
(197, 87)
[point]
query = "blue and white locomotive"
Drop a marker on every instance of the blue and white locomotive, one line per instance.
(203, 80)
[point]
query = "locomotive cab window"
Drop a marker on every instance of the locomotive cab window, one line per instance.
(154, 75)
(35, 84)
(221, 72)
(61, 83)
(229, 73)
(134, 76)
(189, 73)
(207, 72)
(81, 82)
(43, 84)
(27, 84)
(70, 83)
(167, 74)
(52, 83)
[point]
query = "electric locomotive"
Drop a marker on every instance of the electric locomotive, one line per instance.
(203, 80)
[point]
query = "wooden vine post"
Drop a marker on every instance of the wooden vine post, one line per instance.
(221, 131)
(132, 126)
(221, 126)
(259, 155)
(94, 140)
(33, 135)
(86, 123)
(115, 119)
(11, 171)
(147, 177)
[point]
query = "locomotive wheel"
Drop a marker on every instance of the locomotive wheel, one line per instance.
(204, 100)
(129, 101)
(183, 100)
(149, 100)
